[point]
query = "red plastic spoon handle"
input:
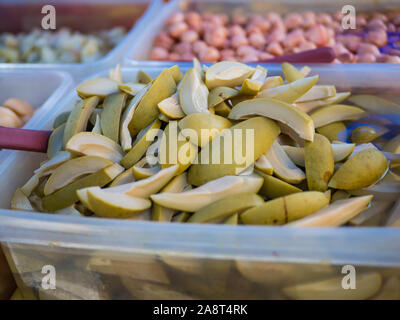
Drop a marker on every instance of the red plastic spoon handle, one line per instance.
(23, 139)
(319, 55)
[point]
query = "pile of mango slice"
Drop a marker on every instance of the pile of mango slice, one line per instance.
(304, 166)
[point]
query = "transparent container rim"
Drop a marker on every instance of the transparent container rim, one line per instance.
(371, 246)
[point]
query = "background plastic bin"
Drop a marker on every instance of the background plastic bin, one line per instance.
(107, 258)
(41, 89)
(139, 51)
(85, 16)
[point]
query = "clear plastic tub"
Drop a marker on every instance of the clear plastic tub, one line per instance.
(41, 89)
(107, 258)
(77, 15)
(139, 51)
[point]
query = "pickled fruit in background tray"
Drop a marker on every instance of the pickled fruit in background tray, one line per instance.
(253, 37)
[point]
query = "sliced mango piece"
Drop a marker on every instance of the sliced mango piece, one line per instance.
(253, 85)
(222, 109)
(360, 171)
(227, 74)
(272, 82)
(180, 217)
(205, 126)
(111, 115)
(21, 202)
(142, 170)
(319, 163)
(340, 195)
(225, 207)
(274, 188)
(286, 209)
(84, 198)
(171, 107)
(146, 187)
(364, 134)
(334, 113)
(79, 117)
(143, 77)
(114, 205)
(55, 143)
(296, 119)
(262, 164)
(332, 130)
(220, 94)
(97, 125)
(290, 72)
(318, 92)
(116, 74)
(340, 152)
(289, 92)
(123, 178)
(232, 220)
(393, 145)
(143, 140)
(233, 150)
(93, 144)
(147, 111)
(198, 68)
(193, 93)
(176, 185)
(125, 135)
(195, 199)
(73, 169)
(283, 167)
(67, 196)
(375, 104)
(60, 119)
(175, 73)
(45, 169)
(336, 214)
(131, 88)
(309, 106)
(175, 149)
(99, 87)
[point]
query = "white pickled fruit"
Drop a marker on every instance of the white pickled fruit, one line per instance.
(334, 113)
(73, 169)
(336, 214)
(193, 93)
(100, 87)
(114, 205)
(283, 167)
(210, 192)
(289, 92)
(285, 209)
(227, 74)
(296, 119)
(360, 171)
(93, 144)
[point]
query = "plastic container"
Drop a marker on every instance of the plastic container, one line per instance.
(77, 15)
(41, 89)
(107, 258)
(139, 51)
